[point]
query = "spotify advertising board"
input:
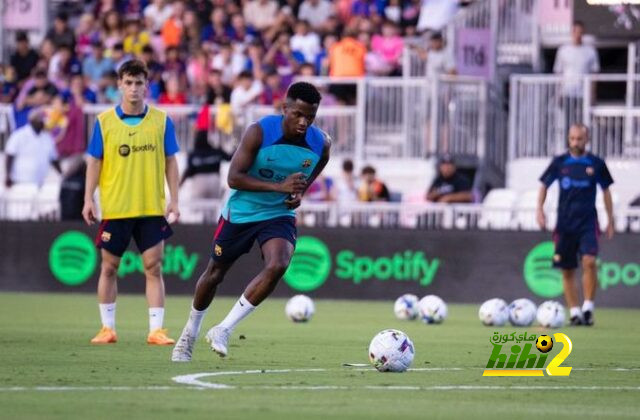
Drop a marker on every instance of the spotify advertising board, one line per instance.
(459, 266)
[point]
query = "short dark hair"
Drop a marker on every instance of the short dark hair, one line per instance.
(304, 91)
(347, 165)
(133, 68)
(21, 36)
(436, 36)
(578, 23)
(368, 170)
(245, 74)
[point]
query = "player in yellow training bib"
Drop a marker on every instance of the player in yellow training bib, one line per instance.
(132, 149)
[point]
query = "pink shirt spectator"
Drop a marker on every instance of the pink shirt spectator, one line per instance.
(390, 48)
(73, 140)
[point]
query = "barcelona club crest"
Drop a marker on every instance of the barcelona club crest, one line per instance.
(306, 163)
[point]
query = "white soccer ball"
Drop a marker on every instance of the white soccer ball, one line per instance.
(300, 308)
(406, 307)
(494, 312)
(522, 312)
(551, 314)
(391, 351)
(433, 310)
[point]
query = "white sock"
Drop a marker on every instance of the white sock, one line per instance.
(575, 311)
(240, 310)
(108, 314)
(156, 318)
(587, 306)
(195, 321)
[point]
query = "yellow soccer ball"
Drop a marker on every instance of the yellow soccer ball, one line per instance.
(544, 343)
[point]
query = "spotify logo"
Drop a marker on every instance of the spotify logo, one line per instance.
(539, 274)
(72, 258)
(310, 265)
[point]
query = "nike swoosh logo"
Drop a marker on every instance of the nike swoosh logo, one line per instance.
(270, 160)
(131, 134)
(241, 304)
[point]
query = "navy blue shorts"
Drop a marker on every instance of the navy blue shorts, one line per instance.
(231, 240)
(115, 235)
(569, 246)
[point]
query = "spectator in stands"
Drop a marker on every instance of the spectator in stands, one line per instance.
(393, 11)
(72, 192)
(203, 167)
(174, 94)
(217, 92)
(8, 84)
(62, 65)
(71, 142)
(173, 27)
(436, 14)
(229, 62)
(217, 30)
(305, 42)
(283, 58)
(86, 34)
(308, 70)
(316, 13)
(261, 14)
(240, 32)
(247, 90)
(109, 92)
(37, 91)
(274, 91)
(96, 65)
(112, 32)
(61, 34)
(135, 38)
(30, 151)
(191, 33)
(346, 57)
(156, 14)
(345, 185)
(450, 186)
(439, 61)
(371, 188)
(321, 61)
(573, 62)
(118, 55)
(389, 46)
(320, 190)
(79, 92)
(24, 59)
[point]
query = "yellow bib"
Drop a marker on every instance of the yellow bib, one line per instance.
(133, 166)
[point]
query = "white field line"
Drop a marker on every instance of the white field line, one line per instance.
(194, 382)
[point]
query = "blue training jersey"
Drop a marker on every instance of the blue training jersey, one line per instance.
(578, 178)
(276, 160)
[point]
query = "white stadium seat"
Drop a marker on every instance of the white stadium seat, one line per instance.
(497, 209)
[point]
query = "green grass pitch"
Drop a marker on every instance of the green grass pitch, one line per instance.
(49, 369)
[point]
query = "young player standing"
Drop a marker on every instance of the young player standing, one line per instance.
(132, 150)
(278, 158)
(576, 233)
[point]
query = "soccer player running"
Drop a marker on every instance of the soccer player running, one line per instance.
(278, 158)
(577, 231)
(131, 151)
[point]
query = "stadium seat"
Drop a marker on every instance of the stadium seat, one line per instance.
(524, 174)
(497, 209)
(20, 202)
(48, 201)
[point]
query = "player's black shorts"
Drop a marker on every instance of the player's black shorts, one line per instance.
(115, 235)
(571, 245)
(231, 240)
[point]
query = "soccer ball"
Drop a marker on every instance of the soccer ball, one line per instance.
(406, 307)
(522, 312)
(432, 309)
(551, 314)
(544, 343)
(391, 351)
(494, 312)
(300, 308)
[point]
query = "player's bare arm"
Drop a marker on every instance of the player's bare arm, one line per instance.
(173, 177)
(94, 167)
(608, 205)
(540, 216)
(239, 178)
(293, 202)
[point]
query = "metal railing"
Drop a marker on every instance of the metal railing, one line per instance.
(391, 118)
(542, 108)
(356, 215)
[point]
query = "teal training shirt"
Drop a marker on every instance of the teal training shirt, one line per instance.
(276, 160)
